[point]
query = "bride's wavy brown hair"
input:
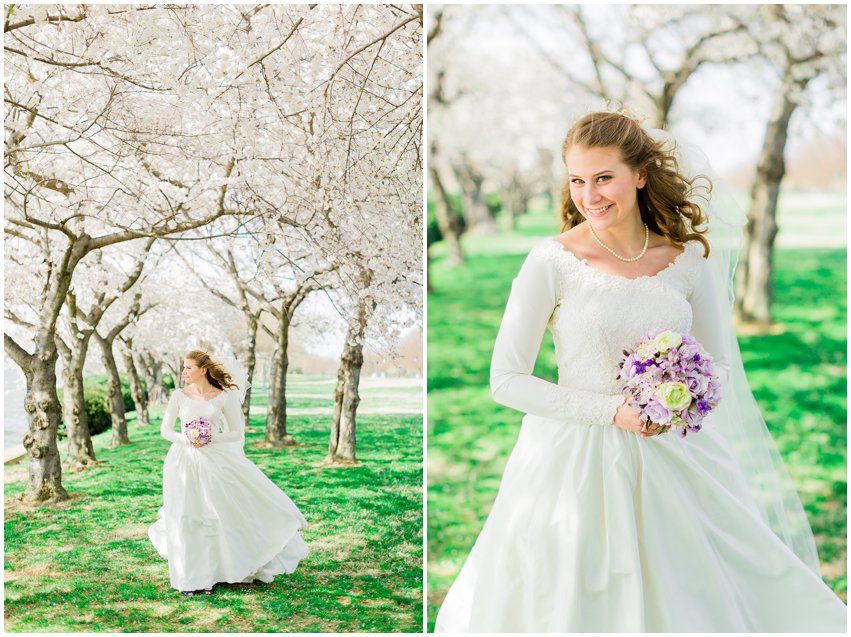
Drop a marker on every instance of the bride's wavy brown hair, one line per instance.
(216, 374)
(667, 200)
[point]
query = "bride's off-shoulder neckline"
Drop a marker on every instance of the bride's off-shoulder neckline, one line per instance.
(584, 263)
(201, 400)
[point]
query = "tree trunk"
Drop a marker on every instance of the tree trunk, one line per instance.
(447, 221)
(175, 368)
(276, 417)
(339, 393)
(136, 389)
(152, 369)
(509, 208)
(476, 214)
(146, 365)
(341, 449)
(429, 286)
(116, 397)
(515, 199)
(81, 451)
(250, 363)
(43, 412)
(41, 401)
(159, 382)
(754, 289)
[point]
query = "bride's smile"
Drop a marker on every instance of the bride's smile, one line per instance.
(597, 212)
(602, 514)
(603, 188)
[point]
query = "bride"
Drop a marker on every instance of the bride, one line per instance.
(603, 523)
(222, 519)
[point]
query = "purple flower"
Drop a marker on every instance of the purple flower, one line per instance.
(657, 412)
(692, 418)
(689, 349)
(198, 431)
(696, 382)
(644, 369)
(713, 393)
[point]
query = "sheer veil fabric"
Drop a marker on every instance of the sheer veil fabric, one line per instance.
(738, 416)
(595, 529)
(239, 376)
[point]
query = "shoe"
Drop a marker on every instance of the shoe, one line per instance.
(188, 593)
(208, 591)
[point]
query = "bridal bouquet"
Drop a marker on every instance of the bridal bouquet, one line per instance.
(198, 431)
(670, 379)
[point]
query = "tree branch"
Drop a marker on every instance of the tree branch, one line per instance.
(18, 354)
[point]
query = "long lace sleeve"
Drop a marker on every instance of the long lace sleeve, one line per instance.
(530, 305)
(169, 418)
(709, 319)
(232, 410)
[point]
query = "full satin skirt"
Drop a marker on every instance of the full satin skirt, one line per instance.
(223, 520)
(595, 529)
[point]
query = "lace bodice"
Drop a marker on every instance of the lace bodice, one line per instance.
(593, 317)
(223, 412)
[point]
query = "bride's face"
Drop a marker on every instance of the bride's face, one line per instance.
(191, 372)
(602, 187)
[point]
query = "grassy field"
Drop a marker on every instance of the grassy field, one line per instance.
(798, 377)
(88, 566)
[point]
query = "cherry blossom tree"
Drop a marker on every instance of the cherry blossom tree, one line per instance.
(138, 121)
(137, 391)
(662, 63)
(373, 232)
(363, 190)
(471, 180)
(440, 99)
(274, 276)
(804, 45)
(95, 156)
(652, 56)
(103, 286)
(391, 278)
(233, 282)
(125, 313)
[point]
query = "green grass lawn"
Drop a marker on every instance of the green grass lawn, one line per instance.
(87, 565)
(798, 377)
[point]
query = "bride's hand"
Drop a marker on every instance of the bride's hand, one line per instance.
(629, 419)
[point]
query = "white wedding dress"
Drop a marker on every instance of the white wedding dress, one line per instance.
(222, 519)
(596, 529)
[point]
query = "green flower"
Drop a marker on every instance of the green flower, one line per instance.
(674, 396)
(646, 350)
(667, 340)
(676, 421)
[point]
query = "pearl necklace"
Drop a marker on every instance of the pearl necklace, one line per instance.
(204, 393)
(615, 254)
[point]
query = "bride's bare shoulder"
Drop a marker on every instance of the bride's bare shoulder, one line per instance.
(574, 241)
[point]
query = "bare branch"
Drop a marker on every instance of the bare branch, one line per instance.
(50, 19)
(380, 38)
(22, 358)
(271, 51)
